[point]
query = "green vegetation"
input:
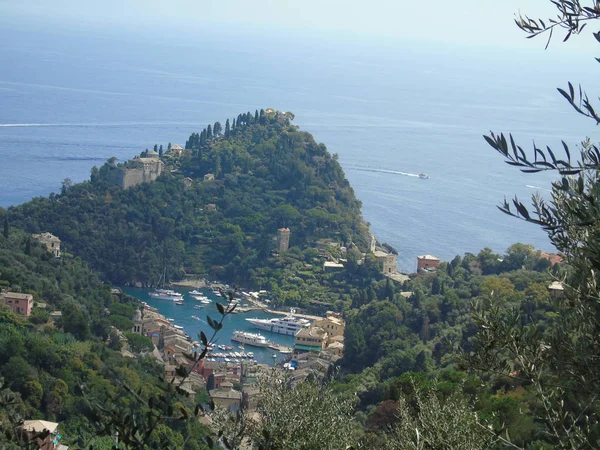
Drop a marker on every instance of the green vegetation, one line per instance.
(58, 369)
(268, 175)
(477, 354)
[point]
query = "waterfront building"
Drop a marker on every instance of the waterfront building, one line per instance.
(427, 262)
(226, 397)
(283, 239)
(18, 303)
(311, 339)
(51, 242)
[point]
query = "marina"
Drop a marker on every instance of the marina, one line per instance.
(182, 317)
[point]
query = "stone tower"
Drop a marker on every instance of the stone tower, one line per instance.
(283, 239)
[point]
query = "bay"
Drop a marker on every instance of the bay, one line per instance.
(182, 315)
(389, 110)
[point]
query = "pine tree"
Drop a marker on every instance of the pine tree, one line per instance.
(5, 232)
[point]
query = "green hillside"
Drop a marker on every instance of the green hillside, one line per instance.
(268, 174)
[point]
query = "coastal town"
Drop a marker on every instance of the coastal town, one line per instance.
(229, 376)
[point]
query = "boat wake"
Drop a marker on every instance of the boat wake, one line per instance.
(538, 188)
(393, 172)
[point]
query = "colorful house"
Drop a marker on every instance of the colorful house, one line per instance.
(19, 303)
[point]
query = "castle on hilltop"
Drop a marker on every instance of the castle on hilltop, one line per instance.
(139, 170)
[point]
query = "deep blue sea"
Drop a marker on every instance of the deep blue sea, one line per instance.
(182, 316)
(69, 101)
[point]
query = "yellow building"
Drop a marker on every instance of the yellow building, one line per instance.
(311, 339)
(333, 324)
(226, 397)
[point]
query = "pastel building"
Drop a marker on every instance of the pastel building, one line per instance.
(311, 339)
(18, 303)
(386, 261)
(226, 397)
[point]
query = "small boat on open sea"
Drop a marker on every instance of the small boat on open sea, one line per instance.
(196, 317)
(423, 176)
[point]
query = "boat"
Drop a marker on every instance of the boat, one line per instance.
(201, 298)
(423, 176)
(274, 355)
(179, 302)
(288, 325)
(198, 306)
(195, 292)
(254, 339)
(196, 317)
(178, 327)
(171, 320)
(165, 294)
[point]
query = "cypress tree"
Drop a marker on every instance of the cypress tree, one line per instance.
(256, 116)
(227, 128)
(233, 125)
(209, 131)
(156, 148)
(5, 231)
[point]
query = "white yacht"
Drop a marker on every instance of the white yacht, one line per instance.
(166, 294)
(255, 339)
(288, 325)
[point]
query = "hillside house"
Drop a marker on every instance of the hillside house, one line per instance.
(51, 242)
(18, 303)
(427, 262)
(45, 434)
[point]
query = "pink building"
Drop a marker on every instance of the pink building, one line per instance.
(19, 303)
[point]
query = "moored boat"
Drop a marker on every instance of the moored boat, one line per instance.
(288, 325)
(165, 294)
(254, 339)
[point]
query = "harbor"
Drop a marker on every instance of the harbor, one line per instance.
(190, 316)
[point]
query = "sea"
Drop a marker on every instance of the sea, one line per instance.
(71, 99)
(182, 316)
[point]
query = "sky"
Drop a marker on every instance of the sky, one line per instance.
(462, 22)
